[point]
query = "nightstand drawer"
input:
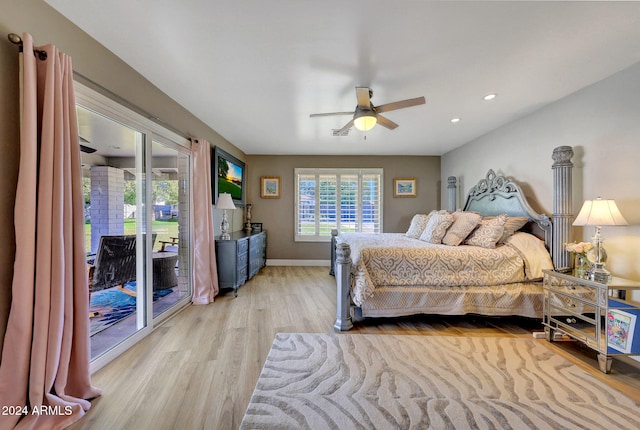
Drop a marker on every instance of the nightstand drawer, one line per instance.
(586, 311)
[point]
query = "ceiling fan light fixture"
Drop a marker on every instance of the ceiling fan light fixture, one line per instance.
(364, 119)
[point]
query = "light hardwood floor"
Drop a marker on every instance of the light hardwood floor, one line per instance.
(198, 370)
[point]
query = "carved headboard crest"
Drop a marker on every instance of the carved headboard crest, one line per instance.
(493, 184)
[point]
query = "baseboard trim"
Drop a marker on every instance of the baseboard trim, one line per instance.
(279, 262)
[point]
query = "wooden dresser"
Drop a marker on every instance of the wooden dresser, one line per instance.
(240, 258)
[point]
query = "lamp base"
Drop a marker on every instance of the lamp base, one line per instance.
(224, 228)
(599, 274)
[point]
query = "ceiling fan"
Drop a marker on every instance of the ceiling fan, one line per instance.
(85, 148)
(366, 115)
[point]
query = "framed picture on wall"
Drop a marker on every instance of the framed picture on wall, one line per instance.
(270, 187)
(404, 187)
(228, 175)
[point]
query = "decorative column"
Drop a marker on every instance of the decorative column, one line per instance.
(562, 206)
(451, 189)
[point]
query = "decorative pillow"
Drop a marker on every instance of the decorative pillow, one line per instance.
(488, 232)
(513, 224)
(463, 225)
(437, 227)
(418, 223)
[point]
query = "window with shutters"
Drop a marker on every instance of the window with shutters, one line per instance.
(349, 200)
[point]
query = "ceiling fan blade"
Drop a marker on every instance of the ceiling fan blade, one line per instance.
(363, 94)
(87, 149)
(313, 115)
(386, 122)
(345, 128)
(401, 104)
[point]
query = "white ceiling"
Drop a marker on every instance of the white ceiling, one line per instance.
(254, 70)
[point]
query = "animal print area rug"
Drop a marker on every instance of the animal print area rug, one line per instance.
(370, 381)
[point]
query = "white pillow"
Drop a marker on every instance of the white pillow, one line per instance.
(437, 227)
(463, 225)
(533, 252)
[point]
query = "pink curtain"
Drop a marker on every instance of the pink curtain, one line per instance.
(45, 358)
(205, 272)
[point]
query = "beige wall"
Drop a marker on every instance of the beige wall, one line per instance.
(277, 215)
(602, 123)
(91, 60)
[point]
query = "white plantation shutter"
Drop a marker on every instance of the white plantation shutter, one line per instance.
(347, 199)
(371, 202)
(306, 219)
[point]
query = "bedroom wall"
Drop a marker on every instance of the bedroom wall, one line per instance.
(91, 60)
(277, 215)
(602, 123)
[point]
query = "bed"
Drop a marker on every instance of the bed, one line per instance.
(445, 263)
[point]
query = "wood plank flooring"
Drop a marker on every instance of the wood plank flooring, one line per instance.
(198, 370)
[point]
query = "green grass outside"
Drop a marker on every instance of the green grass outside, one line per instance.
(225, 186)
(165, 230)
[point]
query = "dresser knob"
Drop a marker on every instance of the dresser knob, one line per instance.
(571, 320)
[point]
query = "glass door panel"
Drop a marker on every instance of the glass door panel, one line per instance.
(170, 197)
(114, 188)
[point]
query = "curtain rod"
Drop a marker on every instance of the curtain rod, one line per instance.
(17, 40)
(42, 55)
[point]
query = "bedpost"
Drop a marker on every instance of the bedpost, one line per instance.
(334, 234)
(562, 206)
(452, 188)
(343, 283)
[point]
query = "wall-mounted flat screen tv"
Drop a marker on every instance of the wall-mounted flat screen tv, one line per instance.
(228, 175)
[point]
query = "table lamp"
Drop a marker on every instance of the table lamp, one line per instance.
(598, 213)
(225, 202)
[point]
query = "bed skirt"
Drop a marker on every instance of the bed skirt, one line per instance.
(519, 299)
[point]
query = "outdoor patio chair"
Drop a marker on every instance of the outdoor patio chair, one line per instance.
(114, 264)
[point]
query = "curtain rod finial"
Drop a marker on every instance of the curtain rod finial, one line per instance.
(14, 38)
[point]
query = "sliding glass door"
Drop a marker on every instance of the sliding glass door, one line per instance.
(137, 197)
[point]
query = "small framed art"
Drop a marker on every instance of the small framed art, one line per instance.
(404, 187)
(270, 187)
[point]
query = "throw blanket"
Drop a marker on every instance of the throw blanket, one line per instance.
(392, 259)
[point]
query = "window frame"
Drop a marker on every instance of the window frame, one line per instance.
(319, 235)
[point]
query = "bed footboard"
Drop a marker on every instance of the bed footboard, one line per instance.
(343, 282)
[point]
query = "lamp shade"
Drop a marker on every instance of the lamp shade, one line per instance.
(364, 119)
(225, 201)
(599, 212)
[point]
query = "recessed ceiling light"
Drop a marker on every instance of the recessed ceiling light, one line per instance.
(455, 120)
(490, 96)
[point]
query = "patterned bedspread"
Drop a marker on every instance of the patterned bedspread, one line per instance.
(392, 259)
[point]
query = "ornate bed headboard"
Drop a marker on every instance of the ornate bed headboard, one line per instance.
(495, 195)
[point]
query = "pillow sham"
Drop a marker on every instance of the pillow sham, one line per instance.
(418, 223)
(463, 225)
(513, 224)
(437, 227)
(533, 252)
(488, 232)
